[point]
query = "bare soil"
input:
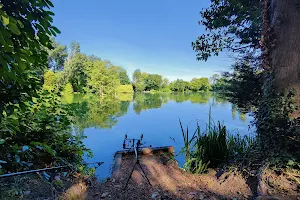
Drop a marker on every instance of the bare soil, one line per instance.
(168, 181)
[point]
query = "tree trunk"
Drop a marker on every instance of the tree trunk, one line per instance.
(284, 16)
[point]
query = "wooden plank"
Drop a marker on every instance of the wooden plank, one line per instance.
(144, 151)
(149, 150)
(117, 165)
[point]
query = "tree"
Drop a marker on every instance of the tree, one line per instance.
(179, 85)
(232, 25)
(268, 32)
(125, 89)
(136, 76)
(223, 83)
(214, 78)
(68, 90)
(102, 78)
(57, 56)
(199, 84)
(165, 83)
(281, 48)
(75, 70)
(153, 82)
(49, 80)
(35, 126)
(74, 49)
(124, 79)
(23, 54)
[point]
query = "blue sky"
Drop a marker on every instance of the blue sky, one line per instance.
(152, 35)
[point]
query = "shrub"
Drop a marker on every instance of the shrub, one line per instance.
(38, 134)
(125, 96)
(68, 89)
(125, 89)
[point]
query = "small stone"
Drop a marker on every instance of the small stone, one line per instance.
(201, 196)
(105, 194)
(113, 180)
(154, 195)
(26, 192)
(193, 193)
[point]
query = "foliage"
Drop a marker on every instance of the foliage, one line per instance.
(60, 79)
(23, 54)
(139, 87)
(146, 101)
(125, 97)
(145, 82)
(68, 90)
(49, 81)
(179, 85)
(35, 126)
(165, 83)
(221, 84)
(275, 128)
(232, 25)
(125, 89)
(124, 79)
(152, 82)
(102, 78)
(101, 112)
(199, 84)
(245, 85)
(57, 56)
(212, 147)
(92, 111)
(75, 69)
(137, 76)
(40, 135)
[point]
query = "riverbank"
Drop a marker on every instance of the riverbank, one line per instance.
(168, 182)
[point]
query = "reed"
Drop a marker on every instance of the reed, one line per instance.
(211, 147)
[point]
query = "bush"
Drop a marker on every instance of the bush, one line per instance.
(125, 96)
(38, 134)
(125, 89)
(49, 81)
(68, 89)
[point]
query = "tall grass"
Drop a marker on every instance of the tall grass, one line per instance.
(211, 147)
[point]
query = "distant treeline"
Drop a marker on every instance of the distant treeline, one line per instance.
(71, 70)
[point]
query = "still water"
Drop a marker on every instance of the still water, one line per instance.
(105, 122)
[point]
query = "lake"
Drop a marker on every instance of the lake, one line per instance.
(105, 121)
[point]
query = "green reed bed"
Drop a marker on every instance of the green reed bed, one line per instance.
(212, 146)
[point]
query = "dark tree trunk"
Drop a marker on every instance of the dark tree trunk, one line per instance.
(284, 16)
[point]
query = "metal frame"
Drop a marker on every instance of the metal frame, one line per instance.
(135, 145)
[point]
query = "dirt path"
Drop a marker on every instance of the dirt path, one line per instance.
(169, 182)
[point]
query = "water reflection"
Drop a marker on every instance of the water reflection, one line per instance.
(106, 120)
(92, 111)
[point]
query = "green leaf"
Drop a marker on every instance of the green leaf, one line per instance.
(20, 24)
(49, 3)
(290, 163)
(2, 40)
(56, 29)
(2, 141)
(5, 19)
(14, 28)
(50, 13)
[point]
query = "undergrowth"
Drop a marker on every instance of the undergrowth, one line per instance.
(212, 147)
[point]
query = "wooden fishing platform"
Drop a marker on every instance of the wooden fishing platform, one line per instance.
(143, 151)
